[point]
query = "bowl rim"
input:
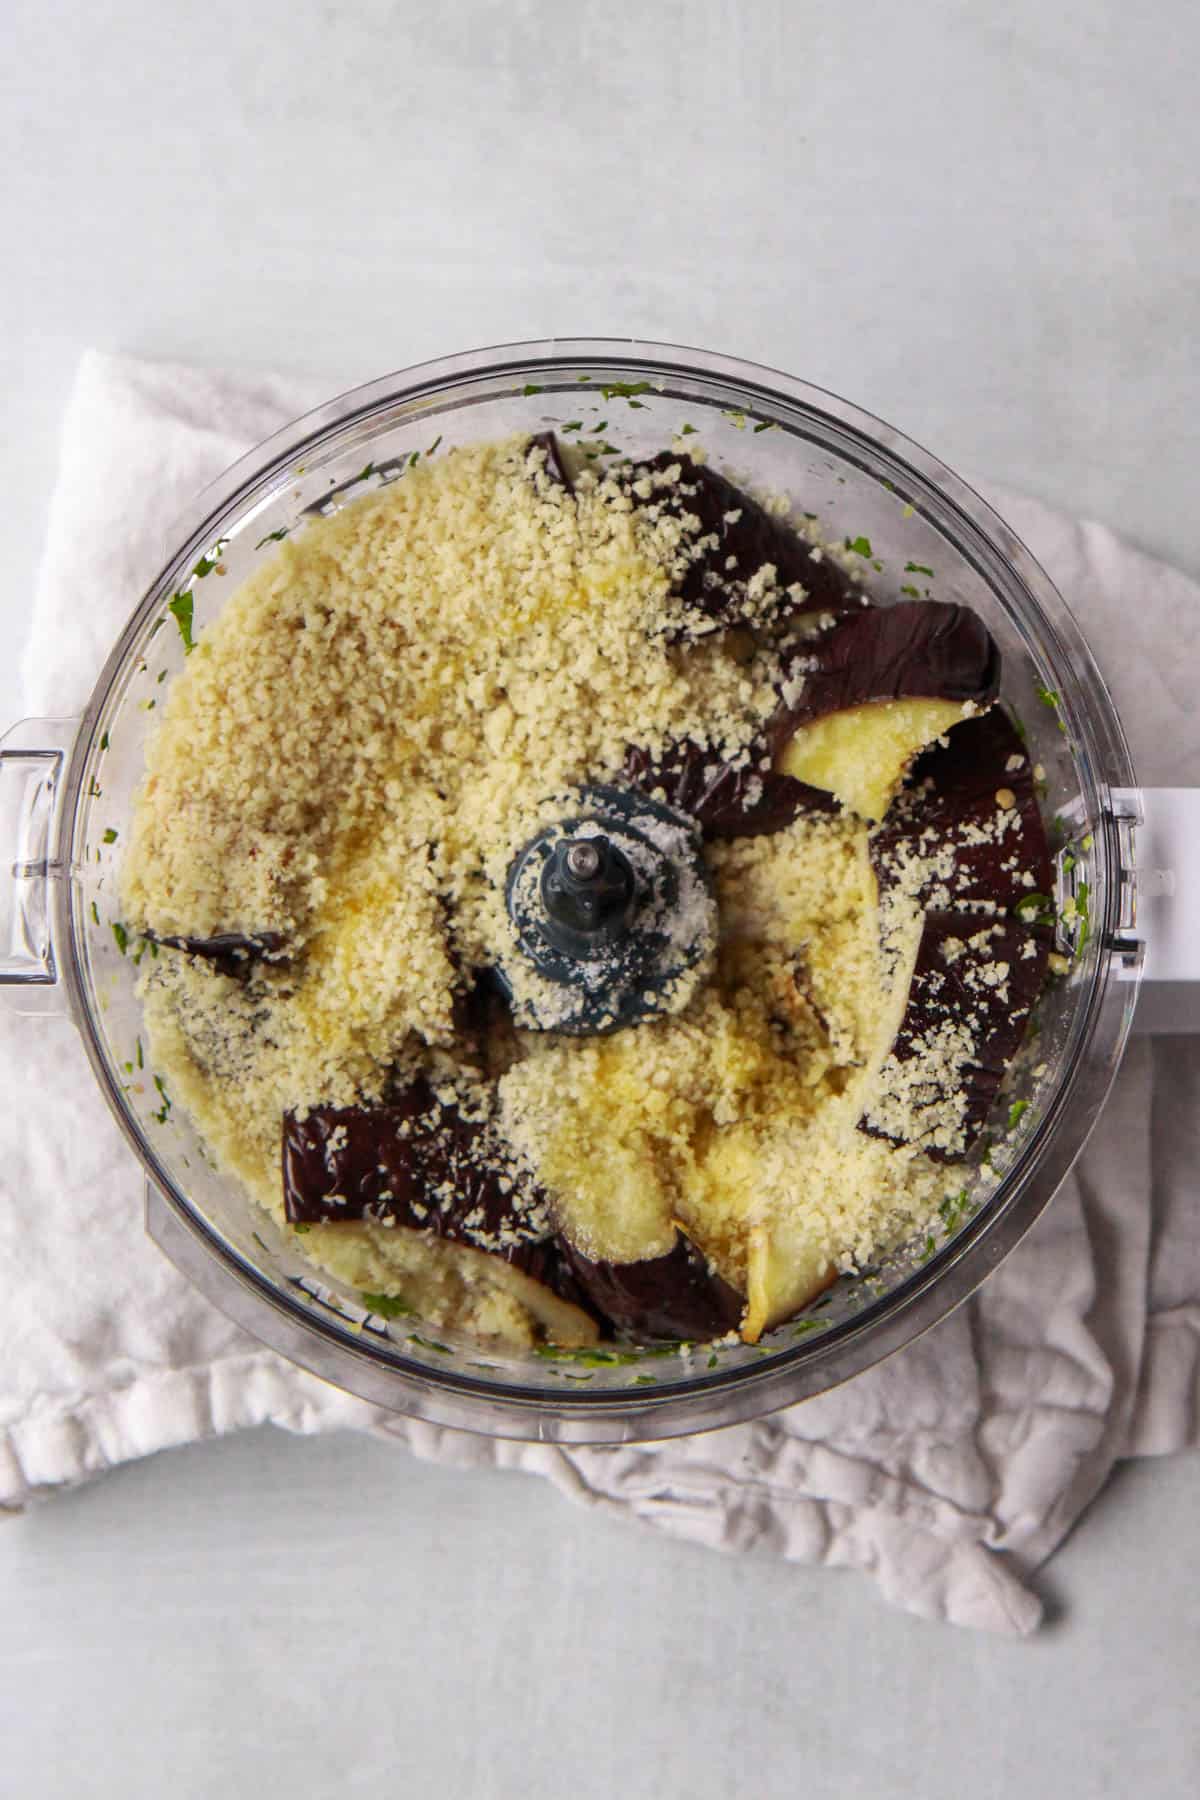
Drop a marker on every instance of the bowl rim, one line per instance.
(815, 1364)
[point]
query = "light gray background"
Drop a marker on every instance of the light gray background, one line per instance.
(979, 220)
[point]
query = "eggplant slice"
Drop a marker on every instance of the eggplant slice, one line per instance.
(419, 1164)
(671, 1296)
(974, 985)
(736, 539)
(967, 831)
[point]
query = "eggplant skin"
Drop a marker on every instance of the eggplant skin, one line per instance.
(232, 953)
(734, 525)
(726, 802)
(670, 1296)
(915, 650)
(420, 1164)
(555, 469)
(951, 992)
(950, 800)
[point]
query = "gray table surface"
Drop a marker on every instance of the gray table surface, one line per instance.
(982, 222)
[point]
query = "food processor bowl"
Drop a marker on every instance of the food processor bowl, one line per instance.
(69, 787)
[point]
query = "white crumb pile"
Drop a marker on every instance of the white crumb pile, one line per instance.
(378, 720)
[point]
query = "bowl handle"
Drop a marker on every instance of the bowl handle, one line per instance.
(33, 760)
(1161, 906)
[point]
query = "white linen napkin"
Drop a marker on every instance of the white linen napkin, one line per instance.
(949, 1473)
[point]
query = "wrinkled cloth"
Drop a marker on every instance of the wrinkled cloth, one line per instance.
(949, 1473)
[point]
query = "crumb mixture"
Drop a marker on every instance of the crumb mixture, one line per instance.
(377, 722)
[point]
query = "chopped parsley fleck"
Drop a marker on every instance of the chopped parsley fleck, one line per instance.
(624, 390)
(121, 935)
(95, 789)
(861, 546)
(258, 1241)
(430, 1344)
(437, 440)
(644, 1381)
(806, 1325)
(929, 1248)
(766, 425)
(141, 1060)
(388, 1306)
(273, 537)
(713, 1360)
(104, 741)
(95, 914)
(912, 568)
(638, 406)
(952, 1209)
(1035, 909)
(736, 419)
(161, 676)
(110, 836)
(182, 606)
(1068, 862)
(687, 431)
(1083, 916)
(164, 1109)
(302, 1231)
(1015, 1111)
(906, 587)
(572, 425)
(365, 473)
(532, 387)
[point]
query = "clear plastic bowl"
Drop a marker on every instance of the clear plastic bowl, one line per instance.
(861, 478)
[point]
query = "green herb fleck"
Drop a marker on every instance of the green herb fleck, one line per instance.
(572, 425)
(182, 606)
(912, 568)
(644, 1381)
(141, 1060)
(1035, 909)
(259, 1241)
(364, 474)
(929, 1248)
(713, 1360)
(110, 836)
(121, 935)
(907, 511)
(624, 390)
(104, 741)
(437, 440)
(532, 387)
(164, 1109)
(1015, 1111)
(766, 425)
(95, 790)
(388, 1306)
(302, 1230)
(687, 431)
(736, 419)
(273, 537)
(861, 546)
(95, 914)
(430, 1344)
(906, 587)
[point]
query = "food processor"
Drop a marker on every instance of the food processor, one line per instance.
(1127, 859)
